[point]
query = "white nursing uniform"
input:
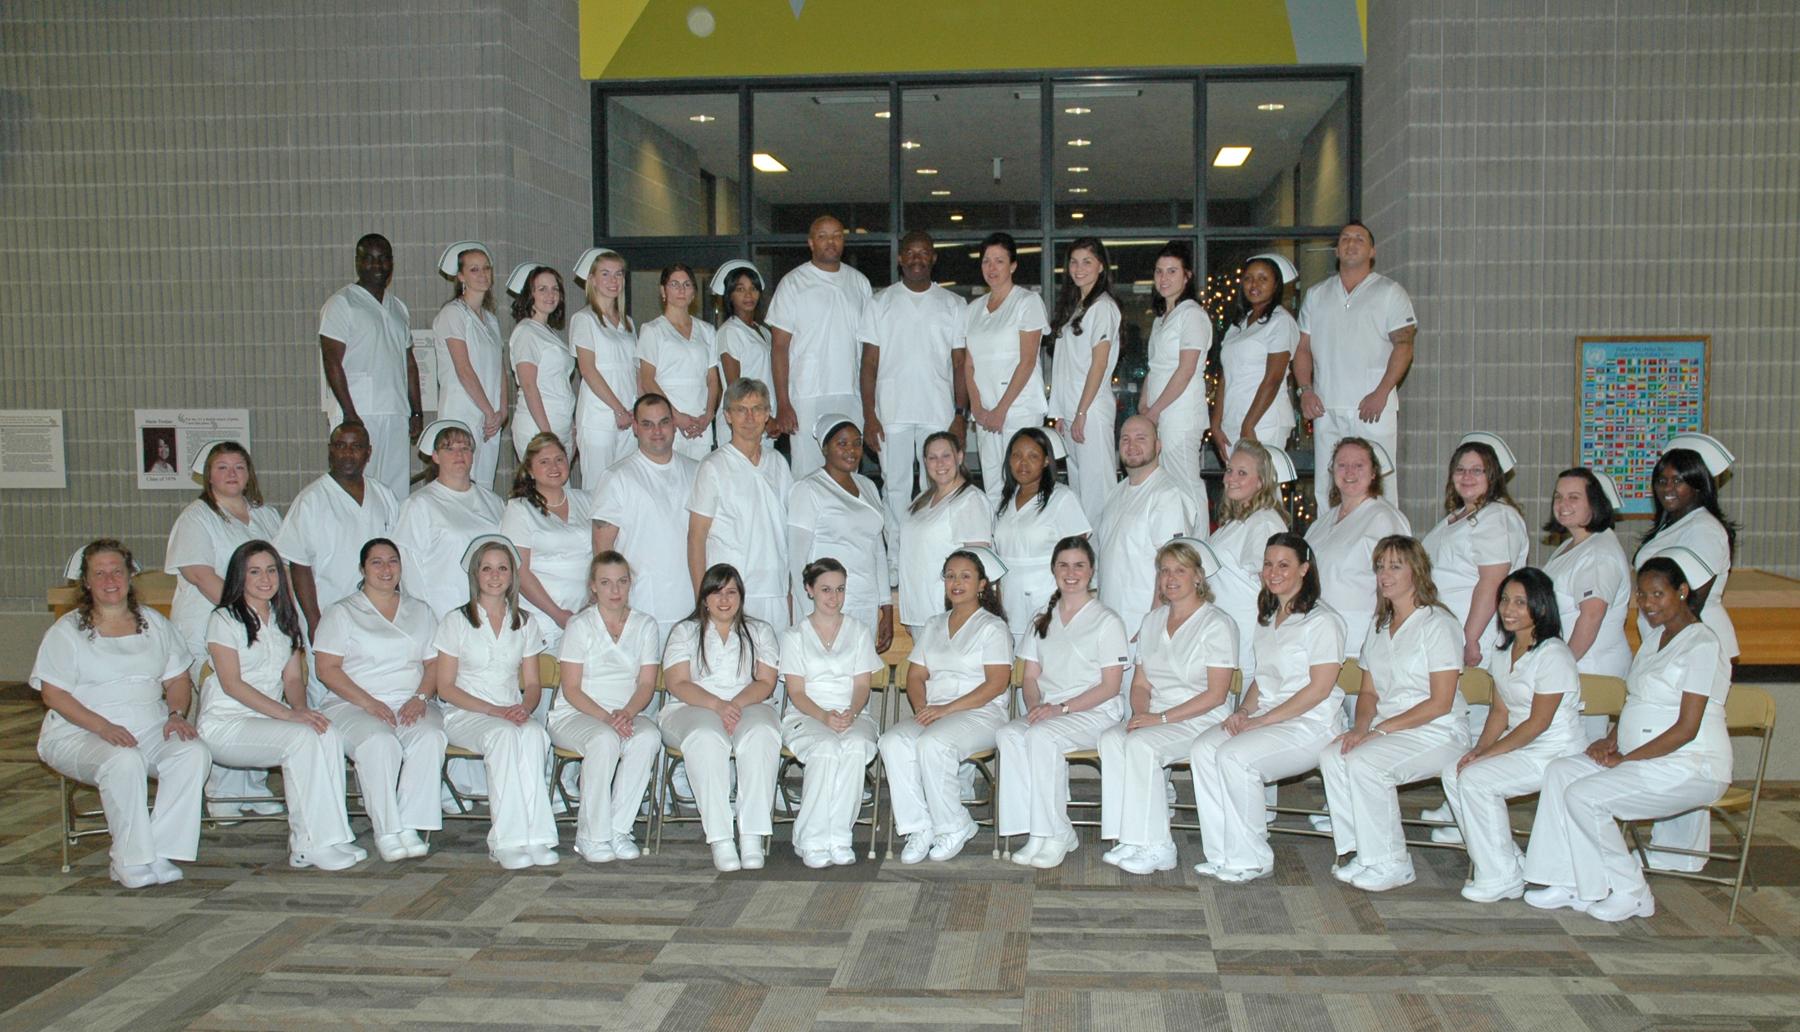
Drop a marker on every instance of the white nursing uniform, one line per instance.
(121, 679)
(435, 527)
(1240, 545)
(1575, 839)
(1348, 332)
(325, 530)
(537, 344)
(397, 768)
(1345, 549)
(376, 336)
(1138, 520)
(993, 342)
(1244, 357)
(1231, 770)
(700, 735)
(753, 349)
(597, 434)
(1025, 540)
(682, 365)
(821, 311)
(1702, 532)
(614, 771)
(1093, 462)
(823, 521)
(1133, 807)
(1478, 794)
(516, 756)
(835, 761)
(922, 761)
(915, 390)
(481, 333)
(747, 503)
(927, 537)
(1494, 535)
(560, 551)
(1595, 569)
(202, 537)
(647, 501)
(1180, 427)
(1073, 657)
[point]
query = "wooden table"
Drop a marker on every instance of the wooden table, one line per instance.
(1765, 610)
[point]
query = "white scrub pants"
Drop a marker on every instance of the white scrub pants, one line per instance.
(614, 772)
(390, 452)
(922, 765)
(487, 457)
(523, 430)
(139, 835)
(1034, 776)
(312, 772)
(772, 610)
(1134, 806)
(1181, 457)
(1337, 424)
(1229, 774)
(1093, 465)
(600, 447)
(1362, 789)
(991, 448)
(806, 455)
(516, 758)
(708, 751)
(1575, 839)
(903, 445)
(1478, 797)
(833, 786)
(398, 768)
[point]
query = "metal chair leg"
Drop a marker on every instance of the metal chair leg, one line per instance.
(68, 818)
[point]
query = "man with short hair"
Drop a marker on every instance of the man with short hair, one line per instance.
(737, 513)
(813, 319)
(1145, 510)
(1356, 343)
(370, 376)
(322, 536)
(640, 510)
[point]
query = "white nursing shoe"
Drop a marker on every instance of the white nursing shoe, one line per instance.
(137, 876)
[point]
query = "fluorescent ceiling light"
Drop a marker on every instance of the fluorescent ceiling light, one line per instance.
(940, 193)
(1080, 92)
(1078, 142)
(1077, 215)
(926, 171)
(1271, 107)
(1077, 110)
(1078, 168)
(702, 118)
(956, 218)
(766, 163)
(884, 114)
(1231, 157)
(1078, 189)
(910, 145)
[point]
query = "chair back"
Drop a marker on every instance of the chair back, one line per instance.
(1749, 709)
(1350, 677)
(1237, 683)
(549, 671)
(1602, 696)
(1476, 686)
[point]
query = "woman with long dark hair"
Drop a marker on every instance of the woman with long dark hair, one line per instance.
(542, 364)
(551, 525)
(1590, 572)
(471, 369)
(1035, 513)
(1174, 395)
(1260, 338)
(1480, 540)
(950, 513)
(1002, 330)
(1085, 334)
(1685, 491)
(746, 346)
(678, 358)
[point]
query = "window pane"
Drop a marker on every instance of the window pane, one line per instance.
(673, 165)
(822, 153)
(1298, 138)
(971, 152)
(1124, 155)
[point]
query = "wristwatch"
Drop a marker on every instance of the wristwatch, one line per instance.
(1065, 709)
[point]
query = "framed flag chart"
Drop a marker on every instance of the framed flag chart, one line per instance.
(1631, 395)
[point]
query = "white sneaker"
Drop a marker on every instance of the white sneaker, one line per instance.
(1117, 854)
(1475, 892)
(918, 846)
(1438, 813)
(166, 871)
(268, 808)
(1239, 875)
(1347, 871)
(750, 852)
(595, 852)
(543, 856)
(416, 846)
(391, 849)
(1555, 897)
(1150, 859)
(1269, 817)
(843, 856)
(1054, 850)
(815, 858)
(625, 847)
(946, 847)
(325, 858)
(1447, 836)
(1382, 877)
(137, 876)
(1622, 906)
(354, 850)
(1319, 821)
(1024, 854)
(511, 859)
(725, 857)
(1207, 868)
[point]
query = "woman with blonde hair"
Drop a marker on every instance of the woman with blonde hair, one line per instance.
(471, 367)
(605, 345)
(1250, 513)
(551, 524)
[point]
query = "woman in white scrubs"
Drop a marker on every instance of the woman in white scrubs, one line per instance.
(956, 682)
(543, 366)
(487, 671)
(1344, 535)
(1411, 721)
(552, 526)
(1249, 515)
(1535, 718)
(1175, 385)
(951, 513)
(1002, 330)
(253, 710)
(230, 512)
(835, 512)
(720, 667)
(113, 675)
(1085, 334)
(1186, 655)
(1259, 342)
(1034, 514)
(605, 345)
(746, 348)
(610, 659)
(678, 358)
(438, 521)
(471, 367)
(1287, 717)
(1670, 753)
(1592, 576)
(1685, 491)
(829, 661)
(1480, 540)
(375, 654)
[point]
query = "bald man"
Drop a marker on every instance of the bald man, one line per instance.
(816, 358)
(1145, 510)
(371, 379)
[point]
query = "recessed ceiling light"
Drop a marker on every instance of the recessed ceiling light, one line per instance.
(1231, 157)
(940, 193)
(1078, 189)
(702, 118)
(1078, 168)
(1076, 110)
(1078, 142)
(910, 145)
(956, 218)
(884, 114)
(1077, 215)
(1271, 107)
(766, 163)
(926, 171)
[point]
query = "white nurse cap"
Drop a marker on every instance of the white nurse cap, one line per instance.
(723, 276)
(1209, 559)
(1698, 571)
(1284, 466)
(991, 565)
(448, 264)
(827, 424)
(428, 439)
(1288, 273)
(1494, 441)
(1058, 450)
(72, 571)
(1608, 487)
(521, 274)
(585, 263)
(1383, 457)
(476, 546)
(198, 466)
(1717, 457)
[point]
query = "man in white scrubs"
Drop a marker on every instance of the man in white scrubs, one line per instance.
(1356, 343)
(365, 340)
(738, 511)
(813, 319)
(1147, 509)
(331, 519)
(912, 379)
(640, 510)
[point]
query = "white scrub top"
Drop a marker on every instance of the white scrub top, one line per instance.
(1286, 654)
(1349, 336)
(560, 551)
(993, 342)
(1400, 662)
(202, 537)
(1345, 550)
(727, 668)
(538, 344)
(824, 521)
(681, 362)
(615, 358)
(1595, 568)
(1073, 656)
(647, 501)
(1546, 669)
(609, 666)
(1185, 328)
(821, 310)
(376, 336)
(386, 658)
(434, 530)
(1244, 357)
(1240, 544)
(747, 503)
(1177, 665)
(927, 537)
(487, 664)
(1493, 535)
(830, 672)
(325, 530)
(957, 665)
(481, 332)
(260, 664)
(1025, 539)
(1660, 675)
(1701, 531)
(916, 332)
(1075, 359)
(1139, 519)
(120, 678)
(753, 349)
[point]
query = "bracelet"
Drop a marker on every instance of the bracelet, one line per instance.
(1065, 709)
(1305, 387)
(1165, 716)
(1377, 731)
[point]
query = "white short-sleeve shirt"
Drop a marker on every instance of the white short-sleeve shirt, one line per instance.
(1185, 327)
(1595, 568)
(747, 503)
(120, 678)
(1244, 358)
(1401, 661)
(434, 530)
(916, 330)
(957, 664)
(753, 349)
(1286, 654)
(609, 666)
(647, 501)
(927, 537)
(1546, 669)
(1177, 665)
(487, 664)
(325, 530)
(1075, 359)
(850, 530)
(1349, 335)
(1074, 655)
(481, 333)
(1137, 520)
(202, 537)
(560, 549)
(681, 362)
(376, 336)
(386, 658)
(615, 358)
(1701, 531)
(260, 664)
(821, 310)
(1240, 545)
(1025, 540)
(993, 342)
(538, 344)
(727, 667)
(1660, 675)
(830, 672)
(1345, 550)
(1494, 535)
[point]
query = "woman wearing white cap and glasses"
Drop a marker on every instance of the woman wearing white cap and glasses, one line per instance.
(1035, 512)
(1344, 535)
(745, 348)
(1259, 341)
(1250, 513)
(438, 521)
(1685, 491)
(605, 345)
(835, 512)
(1590, 572)
(471, 369)
(1480, 540)
(542, 364)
